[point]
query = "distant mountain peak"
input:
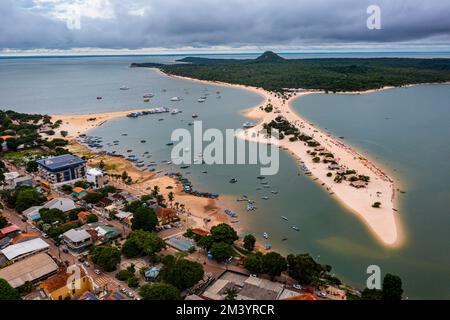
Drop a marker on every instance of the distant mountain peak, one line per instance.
(269, 56)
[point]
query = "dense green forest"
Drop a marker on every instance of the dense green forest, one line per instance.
(275, 73)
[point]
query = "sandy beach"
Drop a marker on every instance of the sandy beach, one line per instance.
(382, 222)
(76, 124)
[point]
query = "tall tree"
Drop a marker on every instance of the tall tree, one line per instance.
(254, 262)
(273, 264)
(392, 287)
(7, 292)
(145, 219)
(181, 273)
(221, 251)
(224, 233)
(106, 257)
(142, 242)
(249, 242)
(159, 291)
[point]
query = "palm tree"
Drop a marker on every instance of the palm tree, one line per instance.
(160, 199)
(155, 191)
(170, 196)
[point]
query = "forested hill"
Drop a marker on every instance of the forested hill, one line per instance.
(275, 73)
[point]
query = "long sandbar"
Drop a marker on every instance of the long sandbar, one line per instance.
(382, 222)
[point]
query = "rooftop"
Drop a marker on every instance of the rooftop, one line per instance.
(30, 269)
(9, 229)
(25, 247)
(60, 162)
(77, 235)
(58, 281)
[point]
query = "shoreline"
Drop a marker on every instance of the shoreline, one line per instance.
(384, 223)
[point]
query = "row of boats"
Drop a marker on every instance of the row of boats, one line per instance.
(149, 112)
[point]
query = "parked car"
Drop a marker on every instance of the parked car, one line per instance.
(297, 286)
(97, 272)
(87, 264)
(45, 235)
(65, 250)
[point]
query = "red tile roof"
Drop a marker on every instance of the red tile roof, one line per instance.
(7, 230)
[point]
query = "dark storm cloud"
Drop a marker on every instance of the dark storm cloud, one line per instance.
(136, 24)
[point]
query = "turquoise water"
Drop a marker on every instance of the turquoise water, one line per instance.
(405, 129)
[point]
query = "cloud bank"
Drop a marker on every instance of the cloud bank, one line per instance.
(171, 24)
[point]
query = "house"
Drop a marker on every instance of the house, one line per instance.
(32, 213)
(25, 249)
(10, 176)
(32, 269)
(95, 176)
(63, 204)
(21, 237)
(107, 233)
(246, 287)
(166, 215)
(22, 181)
(124, 217)
(105, 202)
(3, 139)
(200, 232)
(62, 169)
(82, 216)
(78, 193)
(11, 230)
(77, 239)
(60, 287)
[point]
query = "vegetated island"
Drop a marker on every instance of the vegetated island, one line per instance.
(274, 73)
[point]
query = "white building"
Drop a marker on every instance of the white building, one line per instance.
(25, 249)
(95, 176)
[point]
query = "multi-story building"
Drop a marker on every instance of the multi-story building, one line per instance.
(62, 169)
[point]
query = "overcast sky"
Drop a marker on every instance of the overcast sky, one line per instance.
(223, 25)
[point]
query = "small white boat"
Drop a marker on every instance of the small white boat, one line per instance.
(194, 115)
(175, 111)
(201, 100)
(176, 99)
(284, 218)
(148, 95)
(124, 88)
(248, 125)
(296, 228)
(265, 235)
(147, 99)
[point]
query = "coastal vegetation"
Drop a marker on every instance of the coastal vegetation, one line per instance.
(142, 243)
(273, 73)
(180, 273)
(159, 291)
(107, 257)
(391, 290)
(7, 292)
